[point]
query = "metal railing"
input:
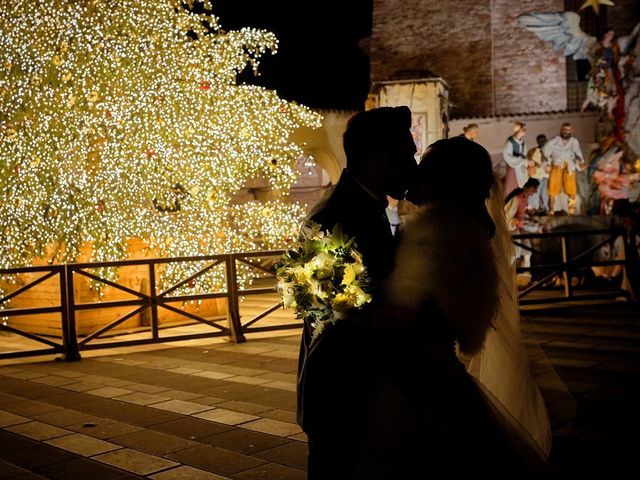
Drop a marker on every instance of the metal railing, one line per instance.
(148, 303)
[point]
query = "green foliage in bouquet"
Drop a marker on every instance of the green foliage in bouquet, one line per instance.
(322, 276)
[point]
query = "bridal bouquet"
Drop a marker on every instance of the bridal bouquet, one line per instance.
(322, 277)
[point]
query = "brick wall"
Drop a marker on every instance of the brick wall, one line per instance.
(454, 40)
(529, 76)
(624, 16)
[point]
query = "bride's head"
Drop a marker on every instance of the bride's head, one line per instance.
(458, 173)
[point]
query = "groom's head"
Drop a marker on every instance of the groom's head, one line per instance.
(380, 149)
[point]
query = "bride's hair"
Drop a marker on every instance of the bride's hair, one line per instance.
(456, 172)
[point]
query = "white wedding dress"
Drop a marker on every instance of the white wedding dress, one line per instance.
(502, 366)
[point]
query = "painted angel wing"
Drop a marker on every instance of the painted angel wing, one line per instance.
(562, 29)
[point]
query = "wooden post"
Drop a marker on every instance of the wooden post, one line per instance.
(233, 305)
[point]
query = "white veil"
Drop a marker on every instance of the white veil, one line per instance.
(502, 366)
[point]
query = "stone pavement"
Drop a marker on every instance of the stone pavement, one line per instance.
(595, 351)
(215, 410)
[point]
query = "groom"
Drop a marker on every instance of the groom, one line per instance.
(334, 377)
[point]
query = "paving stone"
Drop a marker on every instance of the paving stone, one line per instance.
(30, 476)
(163, 364)
(139, 398)
(83, 444)
(31, 390)
(216, 460)
(108, 392)
(248, 380)
(7, 419)
(275, 398)
(273, 427)
(36, 455)
(154, 377)
(81, 468)
(209, 400)
(620, 367)
(69, 399)
(143, 388)
(573, 363)
(191, 428)
(185, 370)
(238, 370)
(282, 415)
(289, 386)
(562, 411)
(63, 372)
(243, 441)
(228, 417)
(153, 442)
(180, 406)
(30, 408)
(285, 354)
(116, 382)
(291, 454)
(243, 407)
(4, 369)
(97, 379)
(581, 387)
(8, 398)
(65, 417)
(127, 413)
(300, 437)
(8, 470)
(620, 349)
(11, 441)
(279, 377)
(38, 430)
(181, 395)
(186, 383)
(104, 428)
(53, 381)
(127, 361)
(213, 374)
(135, 462)
(233, 391)
(570, 345)
(25, 374)
(272, 471)
(187, 473)
(80, 386)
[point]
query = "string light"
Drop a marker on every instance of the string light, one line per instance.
(123, 119)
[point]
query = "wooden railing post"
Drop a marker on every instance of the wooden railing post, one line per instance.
(68, 314)
(566, 274)
(233, 303)
(153, 300)
(631, 269)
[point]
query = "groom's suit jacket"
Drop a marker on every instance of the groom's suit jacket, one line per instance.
(333, 371)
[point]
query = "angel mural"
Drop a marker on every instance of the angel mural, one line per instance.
(614, 62)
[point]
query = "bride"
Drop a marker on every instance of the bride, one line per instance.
(443, 294)
(502, 365)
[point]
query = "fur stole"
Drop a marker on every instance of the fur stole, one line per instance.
(444, 256)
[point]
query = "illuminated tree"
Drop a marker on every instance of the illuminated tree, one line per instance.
(122, 119)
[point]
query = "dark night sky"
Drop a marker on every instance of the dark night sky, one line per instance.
(319, 63)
